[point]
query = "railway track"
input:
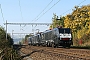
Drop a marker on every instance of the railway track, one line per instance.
(60, 53)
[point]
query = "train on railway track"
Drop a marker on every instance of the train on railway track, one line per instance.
(54, 37)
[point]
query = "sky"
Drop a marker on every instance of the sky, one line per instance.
(29, 11)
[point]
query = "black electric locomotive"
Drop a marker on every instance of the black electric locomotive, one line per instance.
(55, 37)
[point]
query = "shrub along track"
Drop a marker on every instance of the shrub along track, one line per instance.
(49, 53)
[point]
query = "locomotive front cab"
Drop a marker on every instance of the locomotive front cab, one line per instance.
(65, 37)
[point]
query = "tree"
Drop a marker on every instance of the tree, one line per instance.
(3, 42)
(79, 21)
(57, 21)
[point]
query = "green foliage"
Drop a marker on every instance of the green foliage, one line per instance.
(8, 53)
(85, 37)
(79, 18)
(24, 41)
(3, 40)
(26, 37)
(79, 22)
(57, 21)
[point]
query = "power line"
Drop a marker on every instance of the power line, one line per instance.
(43, 9)
(71, 8)
(54, 5)
(48, 10)
(2, 13)
(20, 10)
(21, 15)
(81, 2)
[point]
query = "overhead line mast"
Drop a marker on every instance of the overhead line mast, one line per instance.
(24, 24)
(2, 13)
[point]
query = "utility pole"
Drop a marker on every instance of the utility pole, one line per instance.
(12, 33)
(6, 29)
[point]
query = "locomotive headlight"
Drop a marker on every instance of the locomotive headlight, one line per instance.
(60, 38)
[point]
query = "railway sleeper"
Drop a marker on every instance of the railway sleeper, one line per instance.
(67, 55)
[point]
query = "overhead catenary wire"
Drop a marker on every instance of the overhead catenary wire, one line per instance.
(21, 28)
(51, 8)
(54, 5)
(81, 2)
(71, 8)
(43, 10)
(48, 10)
(2, 13)
(20, 10)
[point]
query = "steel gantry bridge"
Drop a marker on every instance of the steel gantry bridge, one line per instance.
(24, 24)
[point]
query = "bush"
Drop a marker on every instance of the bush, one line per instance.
(8, 53)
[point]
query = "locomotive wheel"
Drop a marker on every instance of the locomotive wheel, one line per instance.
(48, 44)
(56, 46)
(68, 46)
(64, 46)
(53, 45)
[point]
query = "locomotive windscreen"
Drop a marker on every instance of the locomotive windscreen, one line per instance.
(64, 30)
